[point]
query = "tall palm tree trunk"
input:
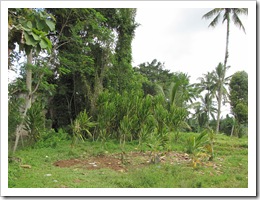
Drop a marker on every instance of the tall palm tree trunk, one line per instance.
(219, 110)
(227, 42)
(224, 74)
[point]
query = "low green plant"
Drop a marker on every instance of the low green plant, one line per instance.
(156, 143)
(81, 127)
(35, 122)
(200, 147)
(142, 136)
(51, 138)
(125, 130)
(103, 136)
(176, 120)
(240, 130)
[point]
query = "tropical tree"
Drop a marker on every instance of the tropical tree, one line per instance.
(81, 72)
(156, 74)
(29, 28)
(180, 92)
(239, 97)
(214, 83)
(207, 84)
(121, 71)
(221, 81)
(228, 13)
(204, 110)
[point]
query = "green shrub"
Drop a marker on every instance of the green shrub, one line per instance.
(226, 125)
(50, 138)
(81, 127)
(240, 130)
(35, 122)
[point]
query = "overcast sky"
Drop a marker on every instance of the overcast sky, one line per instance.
(182, 40)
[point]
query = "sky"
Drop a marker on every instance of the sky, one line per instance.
(184, 42)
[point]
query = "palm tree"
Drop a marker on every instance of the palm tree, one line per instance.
(228, 13)
(204, 109)
(207, 84)
(179, 92)
(220, 80)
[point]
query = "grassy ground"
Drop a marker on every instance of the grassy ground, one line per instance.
(229, 169)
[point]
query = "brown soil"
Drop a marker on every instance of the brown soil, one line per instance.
(123, 163)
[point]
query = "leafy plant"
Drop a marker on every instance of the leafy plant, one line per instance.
(81, 127)
(156, 143)
(142, 135)
(176, 120)
(125, 129)
(201, 147)
(104, 136)
(35, 122)
(51, 138)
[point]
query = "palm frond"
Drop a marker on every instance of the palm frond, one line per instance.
(212, 13)
(215, 21)
(226, 15)
(173, 91)
(159, 90)
(240, 11)
(238, 22)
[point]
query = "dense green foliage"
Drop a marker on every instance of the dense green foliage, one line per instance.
(89, 69)
(239, 101)
(239, 96)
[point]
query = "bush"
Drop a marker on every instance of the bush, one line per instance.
(81, 127)
(240, 130)
(51, 138)
(226, 125)
(35, 122)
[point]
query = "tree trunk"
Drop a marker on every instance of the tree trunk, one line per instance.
(232, 130)
(9, 59)
(29, 80)
(227, 42)
(219, 109)
(223, 76)
(28, 99)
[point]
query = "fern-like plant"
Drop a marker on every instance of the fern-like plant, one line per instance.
(35, 122)
(81, 127)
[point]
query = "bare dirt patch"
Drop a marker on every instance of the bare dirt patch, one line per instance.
(92, 163)
(124, 162)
